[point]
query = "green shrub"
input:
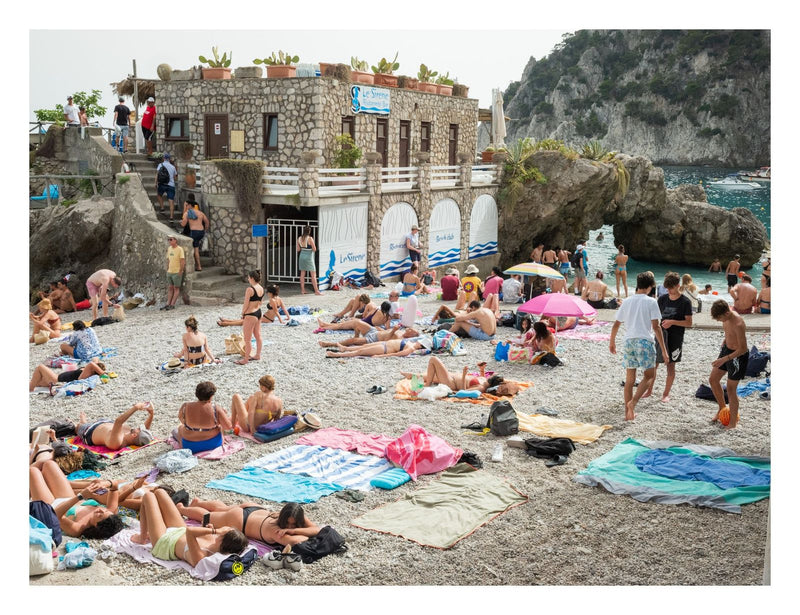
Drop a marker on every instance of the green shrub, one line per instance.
(246, 177)
(123, 179)
(543, 108)
(724, 106)
(68, 202)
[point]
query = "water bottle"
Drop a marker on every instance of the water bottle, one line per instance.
(497, 453)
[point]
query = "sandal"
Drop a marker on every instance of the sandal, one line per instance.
(379, 389)
(241, 362)
(372, 389)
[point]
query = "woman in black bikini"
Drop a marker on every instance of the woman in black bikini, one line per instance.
(251, 317)
(274, 305)
(195, 345)
(288, 527)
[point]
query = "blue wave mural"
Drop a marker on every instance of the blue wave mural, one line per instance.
(483, 249)
(443, 257)
(392, 268)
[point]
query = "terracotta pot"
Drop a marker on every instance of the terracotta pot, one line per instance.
(445, 90)
(357, 76)
(486, 156)
(423, 86)
(322, 67)
(216, 73)
(385, 79)
(190, 179)
(280, 71)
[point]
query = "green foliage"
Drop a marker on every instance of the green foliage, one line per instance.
(591, 126)
(623, 175)
(519, 172)
(359, 65)
(84, 186)
(425, 74)
(79, 99)
(444, 79)
(710, 132)
(68, 202)
(593, 150)
(386, 67)
(511, 90)
(645, 112)
(217, 62)
(666, 86)
(346, 154)
(724, 106)
(246, 177)
(281, 59)
(51, 115)
(123, 179)
(543, 108)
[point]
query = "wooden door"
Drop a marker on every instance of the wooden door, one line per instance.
(405, 143)
(216, 136)
(382, 140)
(452, 145)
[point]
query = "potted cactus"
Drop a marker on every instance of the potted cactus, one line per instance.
(444, 84)
(360, 73)
(426, 78)
(279, 66)
(219, 67)
(384, 72)
(486, 155)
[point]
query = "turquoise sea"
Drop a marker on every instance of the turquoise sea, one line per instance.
(602, 253)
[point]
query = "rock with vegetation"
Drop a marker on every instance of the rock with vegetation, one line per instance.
(684, 97)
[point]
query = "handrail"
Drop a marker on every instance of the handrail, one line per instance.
(48, 177)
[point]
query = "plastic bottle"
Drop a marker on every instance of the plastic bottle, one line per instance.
(497, 453)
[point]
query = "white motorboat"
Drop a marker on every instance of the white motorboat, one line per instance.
(732, 182)
(764, 174)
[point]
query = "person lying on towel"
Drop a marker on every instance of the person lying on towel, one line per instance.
(437, 374)
(390, 348)
(43, 376)
(288, 527)
(162, 525)
(117, 434)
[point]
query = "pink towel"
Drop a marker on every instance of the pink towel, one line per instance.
(229, 447)
(419, 452)
(366, 444)
(102, 450)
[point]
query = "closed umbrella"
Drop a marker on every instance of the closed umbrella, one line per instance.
(558, 304)
(534, 269)
(498, 119)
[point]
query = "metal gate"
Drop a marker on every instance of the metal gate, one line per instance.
(280, 252)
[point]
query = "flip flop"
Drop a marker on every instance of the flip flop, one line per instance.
(240, 362)
(372, 389)
(379, 389)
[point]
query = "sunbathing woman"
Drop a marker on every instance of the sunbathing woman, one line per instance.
(43, 376)
(116, 434)
(361, 304)
(262, 406)
(49, 321)
(562, 323)
(375, 335)
(288, 527)
(390, 348)
(39, 451)
(438, 374)
(195, 345)
(412, 284)
(202, 421)
(374, 318)
(162, 525)
(78, 515)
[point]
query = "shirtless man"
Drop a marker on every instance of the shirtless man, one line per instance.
(65, 302)
(198, 226)
(563, 261)
(536, 255)
(478, 322)
(732, 272)
(558, 286)
(732, 360)
(716, 266)
(116, 434)
(97, 284)
(745, 296)
(706, 290)
(549, 258)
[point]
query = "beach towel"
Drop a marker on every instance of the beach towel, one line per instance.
(78, 387)
(206, 569)
(180, 460)
(445, 511)
(588, 336)
(754, 386)
(327, 465)
(549, 427)
(419, 452)
(403, 390)
(617, 472)
(274, 486)
(107, 452)
(228, 448)
(262, 548)
(347, 440)
(679, 466)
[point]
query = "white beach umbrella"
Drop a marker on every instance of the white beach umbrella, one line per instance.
(498, 119)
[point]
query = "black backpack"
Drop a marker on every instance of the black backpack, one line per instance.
(575, 259)
(163, 175)
(503, 419)
(370, 279)
(326, 542)
(756, 362)
(62, 427)
(44, 512)
(551, 448)
(236, 565)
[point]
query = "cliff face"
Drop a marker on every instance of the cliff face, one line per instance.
(674, 96)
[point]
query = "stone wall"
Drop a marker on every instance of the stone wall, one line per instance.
(310, 114)
(137, 251)
(88, 148)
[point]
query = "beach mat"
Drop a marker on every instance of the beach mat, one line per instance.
(403, 391)
(617, 472)
(274, 486)
(445, 511)
(549, 427)
(347, 440)
(228, 448)
(107, 453)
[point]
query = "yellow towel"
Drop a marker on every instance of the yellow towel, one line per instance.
(549, 427)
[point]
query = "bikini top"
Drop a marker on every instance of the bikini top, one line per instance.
(183, 420)
(195, 349)
(256, 296)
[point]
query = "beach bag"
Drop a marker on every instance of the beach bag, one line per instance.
(236, 565)
(41, 337)
(427, 279)
(233, 344)
(704, 392)
(370, 279)
(575, 259)
(327, 541)
(278, 425)
(163, 175)
(102, 321)
(191, 214)
(611, 304)
(335, 278)
(62, 427)
(507, 319)
(756, 362)
(503, 419)
(501, 351)
(40, 548)
(550, 448)
(446, 341)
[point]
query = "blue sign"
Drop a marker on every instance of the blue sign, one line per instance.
(260, 230)
(366, 99)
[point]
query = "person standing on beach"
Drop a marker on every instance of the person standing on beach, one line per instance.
(176, 265)
(305, 261)
(676, 315)
(412, 244)
(732, 272)
(579, 261)
(732, 360)
(641, 316)
(745, 296)
(621, 269)
(549, 258)
(97, 285)
(563, 261)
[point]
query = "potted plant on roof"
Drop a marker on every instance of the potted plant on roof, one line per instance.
(360, 72)
(218, 68)
(460, 90)
(426, 78)
(444, 84)
(279, 66)
(486, 155)
(384, 72)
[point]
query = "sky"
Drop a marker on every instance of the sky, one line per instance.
(461, 53)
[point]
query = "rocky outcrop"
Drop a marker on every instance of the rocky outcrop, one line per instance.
(656, 224)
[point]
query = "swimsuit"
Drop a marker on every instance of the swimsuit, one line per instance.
(85, 430)
(70, 375)
(256, 297)
(737, 366)
(368, 319)
(196, 350)
(408, 293)
(165, 546)
(198, 446)
(246, 511)
(764, 311)
(621, 268)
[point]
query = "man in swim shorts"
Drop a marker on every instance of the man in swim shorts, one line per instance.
(641, 316)
(732, 272)
(732, 360)
(176, 265)
(477, 322)
(97, 287)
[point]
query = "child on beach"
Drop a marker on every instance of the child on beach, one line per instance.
(732, 360)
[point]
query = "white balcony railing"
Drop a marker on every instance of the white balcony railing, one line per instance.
(341, 181)
(484, 174)
(398, 178)
(444, 176)
(280, 180)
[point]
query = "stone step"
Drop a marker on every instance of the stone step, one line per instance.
(208, 301)
(209, 270)
(217, 282)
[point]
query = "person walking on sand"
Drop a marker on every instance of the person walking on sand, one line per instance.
(251, 317)
(732, 272)
(676, 316)
(641, 316)
(97, 286)
(621, 269)
(732, 360)
(305, 262)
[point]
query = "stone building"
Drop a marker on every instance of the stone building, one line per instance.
(418, 169)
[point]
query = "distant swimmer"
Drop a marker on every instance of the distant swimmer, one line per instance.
(600, 237)
(716, 266)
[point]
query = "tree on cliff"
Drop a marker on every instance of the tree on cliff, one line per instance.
(89, 101)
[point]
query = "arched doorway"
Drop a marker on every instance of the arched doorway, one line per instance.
(483, 227)
(444, 235)
(396, 224)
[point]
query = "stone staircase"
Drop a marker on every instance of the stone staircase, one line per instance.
(147, 171)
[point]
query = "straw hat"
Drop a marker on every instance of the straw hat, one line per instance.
(174, 362)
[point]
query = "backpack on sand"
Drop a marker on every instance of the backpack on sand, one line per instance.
(163, 175)
(503, 419)
(370, 279)
(552, 448)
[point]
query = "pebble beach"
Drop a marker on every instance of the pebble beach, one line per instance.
(565, 534)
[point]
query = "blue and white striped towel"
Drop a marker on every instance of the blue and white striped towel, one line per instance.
(349, 470)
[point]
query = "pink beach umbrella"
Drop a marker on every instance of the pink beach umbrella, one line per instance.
(558, 304)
